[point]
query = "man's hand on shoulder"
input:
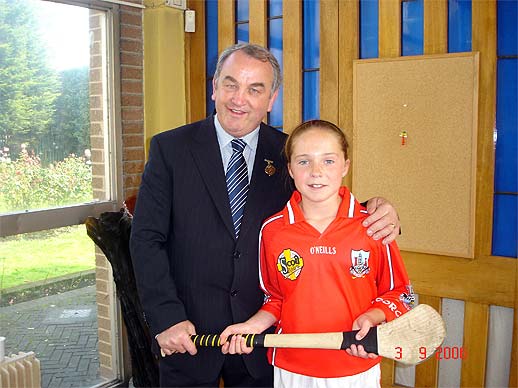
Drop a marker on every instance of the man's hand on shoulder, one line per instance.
(383, 221)
(177, 339)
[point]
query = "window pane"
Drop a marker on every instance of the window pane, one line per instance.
(209, 103)
(275, 116)
(506, 152)
(242, 10)
(48, 304)
(275, 8)
(412, 28)
(507, 32)
(39, 256)
(211, 26)
(275, 39)
(459, 26)
(311, 60)
(368, 28)
(53, 110)
(275, 46)
(311, 17)
(311, 104)
(242, 34)
(56, 150)
(505, 225)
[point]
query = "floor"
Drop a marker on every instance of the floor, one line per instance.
(62, 330)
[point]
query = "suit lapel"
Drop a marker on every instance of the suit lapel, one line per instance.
(207, 156)
(261, 182)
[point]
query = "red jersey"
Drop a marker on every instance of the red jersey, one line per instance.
(321, 282)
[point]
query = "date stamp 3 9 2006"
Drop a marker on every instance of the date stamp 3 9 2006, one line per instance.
(442, 353)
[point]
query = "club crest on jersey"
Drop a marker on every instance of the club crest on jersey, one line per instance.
(360, 263)
(408, 298)
(289, 264)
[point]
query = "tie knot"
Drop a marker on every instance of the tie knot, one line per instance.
(238, 145)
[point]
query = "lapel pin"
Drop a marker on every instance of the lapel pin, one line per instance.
(270, 168)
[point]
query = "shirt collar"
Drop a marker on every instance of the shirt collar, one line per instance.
(224, 138)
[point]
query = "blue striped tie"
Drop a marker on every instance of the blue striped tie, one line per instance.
(237, 183)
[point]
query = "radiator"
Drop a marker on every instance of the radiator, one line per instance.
(20, 370)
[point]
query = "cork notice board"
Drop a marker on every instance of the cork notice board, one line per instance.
(431, 178)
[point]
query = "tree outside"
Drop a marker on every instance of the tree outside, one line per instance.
(44, 147)
(44, 119)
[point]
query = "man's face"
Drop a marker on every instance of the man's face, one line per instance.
(243, 93)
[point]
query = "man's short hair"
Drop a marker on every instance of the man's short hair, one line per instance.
(254, 51)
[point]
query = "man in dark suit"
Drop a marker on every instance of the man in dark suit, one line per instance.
(195, 261)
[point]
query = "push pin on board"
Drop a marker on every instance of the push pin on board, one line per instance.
(403, 135)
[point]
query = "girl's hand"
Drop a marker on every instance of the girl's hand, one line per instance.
(363, 323)
(237, 344)
(255, 325)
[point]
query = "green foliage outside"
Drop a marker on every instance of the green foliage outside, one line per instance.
(44, 255)
(71, 122)
(39, 107)
(27, 86)
(26, 184)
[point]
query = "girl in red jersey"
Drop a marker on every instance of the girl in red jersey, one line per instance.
(320, 272)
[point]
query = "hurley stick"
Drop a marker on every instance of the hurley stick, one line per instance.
(409, 339)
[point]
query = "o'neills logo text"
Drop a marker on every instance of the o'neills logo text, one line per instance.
(322, 250)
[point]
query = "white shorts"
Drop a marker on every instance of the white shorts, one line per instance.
(371, 378)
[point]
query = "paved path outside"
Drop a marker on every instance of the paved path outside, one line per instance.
(62, 331)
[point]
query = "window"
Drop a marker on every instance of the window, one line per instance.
(275, 47)
(242, 21)
(505, 217)
(56, 127)
(211, 47)
(58, 165)
(311, 60)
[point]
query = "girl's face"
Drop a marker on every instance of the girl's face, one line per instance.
(318, 165)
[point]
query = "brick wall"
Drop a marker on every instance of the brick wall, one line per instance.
(132, 98)
(132, 125)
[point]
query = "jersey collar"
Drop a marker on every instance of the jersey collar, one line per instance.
(348, 208)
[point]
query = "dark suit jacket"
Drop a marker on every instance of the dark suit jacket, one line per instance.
(188, 264)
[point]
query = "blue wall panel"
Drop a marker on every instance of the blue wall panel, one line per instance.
(412, 27)
(506, 159)
(209, 104)
(368, 28)
(211, 41)
(507, 16)
(505, 225)
(459, 26)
